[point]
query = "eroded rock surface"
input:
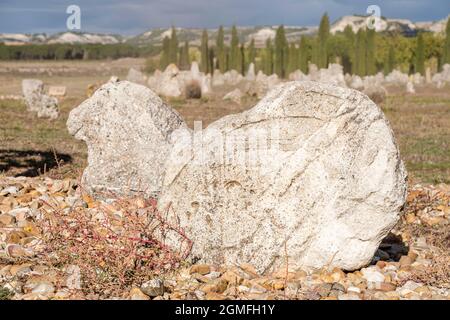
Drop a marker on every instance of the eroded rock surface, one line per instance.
(312, 172)
(37, 101)
(127, 131)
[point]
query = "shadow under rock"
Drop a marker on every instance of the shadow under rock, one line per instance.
(30, 163)
(392, 248)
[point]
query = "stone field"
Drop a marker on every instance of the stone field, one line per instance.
(106, 191)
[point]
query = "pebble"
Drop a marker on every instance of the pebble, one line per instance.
(12, 190)
(137, 294)
(202, 269)
(153, 288)
(43, 288)
(372, 275)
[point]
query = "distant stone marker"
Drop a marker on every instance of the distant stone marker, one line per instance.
(45, 106)
(136, 76)
(57, 91)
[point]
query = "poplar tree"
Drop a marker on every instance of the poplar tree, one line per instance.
(204, 51)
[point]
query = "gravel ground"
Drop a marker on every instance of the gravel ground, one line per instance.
(37, 262)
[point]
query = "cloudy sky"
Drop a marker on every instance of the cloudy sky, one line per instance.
(135, 16)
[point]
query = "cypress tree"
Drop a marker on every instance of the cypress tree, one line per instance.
(268, 57)
(304, 54)
(370, 52)
(420, 55)
(173, 51)
(281, 54)
(293, 59)
(241, 59)
(164, 61)
(251, 52)
(324, 33)
(221, 55)
(204, 65)
(389, 63)
(360, 54)
(446, 53)
(348, 60)
(211, 60)
(184, 56)
(234, 50)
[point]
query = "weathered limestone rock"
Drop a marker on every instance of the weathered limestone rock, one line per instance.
(377, 93)
(251, 76)
(170, 84)
(417, 79)
(235, 96)
(261, 85)
(356, 83)
(428, 75)
(218, 79)
(443, 77)
(195, 71)
(114, 79)
(373, 81)
(232, 77)
(32, 90)
(410, 87)
(153, 80)
(334, 74)
(127, 130)
(297, 75)
(312, 171)
(136, 76)
(397, 77)
(36, 101)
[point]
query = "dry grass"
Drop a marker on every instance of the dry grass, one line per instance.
(438, 274)
(116, 246)
(421, 122)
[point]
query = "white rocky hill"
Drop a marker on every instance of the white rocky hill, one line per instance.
(389, 25)
(259, 33)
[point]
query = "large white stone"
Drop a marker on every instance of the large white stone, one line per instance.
(170, 84)
(136, 76)
(235, 96)
(314, 172)
(127, 130)
(37, 101)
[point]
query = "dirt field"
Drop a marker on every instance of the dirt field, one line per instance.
(31, 146)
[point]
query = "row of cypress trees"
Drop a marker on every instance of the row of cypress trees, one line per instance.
(356, 52)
